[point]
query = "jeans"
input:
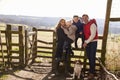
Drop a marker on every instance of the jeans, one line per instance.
(91, 54)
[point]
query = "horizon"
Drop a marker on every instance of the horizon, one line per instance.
(41, 16)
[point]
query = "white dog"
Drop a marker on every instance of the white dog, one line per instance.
(77, 69)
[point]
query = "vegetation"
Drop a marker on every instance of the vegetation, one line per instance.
(113, 53)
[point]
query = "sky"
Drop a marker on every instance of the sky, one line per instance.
(55, 8)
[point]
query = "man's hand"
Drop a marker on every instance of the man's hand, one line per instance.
(84, 45)
(80, 33)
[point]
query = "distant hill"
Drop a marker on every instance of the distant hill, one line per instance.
(49, 22)
(30, 20)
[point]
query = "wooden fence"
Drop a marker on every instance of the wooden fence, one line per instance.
(19, 52)
(13, 47)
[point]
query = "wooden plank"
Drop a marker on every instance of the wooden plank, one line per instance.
(2, 52)
(44, 56)
(100, 37)
(4, 43)
(21, 46)
(34, 49)
(5, 51)
(13, 63)
(114, 19)
(43, 47)
(3, 31)
(45, 42)
(13, 51)
(99, 50)
(26, 48)
(9, 41)
(80, 57)
(106, 28)
(13, 57)
(15, 44)
(54, 51)
(45, 30)
(14, 32)
(48, 52)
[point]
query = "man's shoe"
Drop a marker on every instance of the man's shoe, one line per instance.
(56, 73)
(91, 76)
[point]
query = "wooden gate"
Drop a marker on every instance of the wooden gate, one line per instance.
(13, 46)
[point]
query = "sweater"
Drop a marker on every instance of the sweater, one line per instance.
(70, 32)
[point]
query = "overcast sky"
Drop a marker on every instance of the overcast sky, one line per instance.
(56, 8)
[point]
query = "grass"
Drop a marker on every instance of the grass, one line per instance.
(3, 77)
(113, 53)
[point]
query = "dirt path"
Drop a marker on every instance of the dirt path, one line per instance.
(35, 73)
(27, 74)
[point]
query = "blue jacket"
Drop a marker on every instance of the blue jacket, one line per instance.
(79, 26)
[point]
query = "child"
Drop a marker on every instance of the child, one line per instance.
(79, 32)
(61, 37)
(70, 30)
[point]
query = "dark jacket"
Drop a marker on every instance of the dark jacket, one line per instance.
(79, 26)
(61, 36)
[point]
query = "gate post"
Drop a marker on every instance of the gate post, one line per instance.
(54, 50)
(34, 38)
(21, 46)
(8, 42)
(26, 48)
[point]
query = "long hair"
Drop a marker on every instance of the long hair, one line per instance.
(59, 24)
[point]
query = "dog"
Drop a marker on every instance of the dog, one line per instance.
(77, 69)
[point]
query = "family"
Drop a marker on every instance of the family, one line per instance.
(69, 32)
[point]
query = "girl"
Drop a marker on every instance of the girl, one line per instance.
(61, 37)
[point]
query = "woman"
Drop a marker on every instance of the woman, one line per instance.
(61, 37)
(70, 31)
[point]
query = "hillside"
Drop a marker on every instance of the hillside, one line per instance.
(48, 22)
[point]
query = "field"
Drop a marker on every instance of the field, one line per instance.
(112, 56)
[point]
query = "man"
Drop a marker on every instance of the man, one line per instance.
(79, 32)
(90, 43)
